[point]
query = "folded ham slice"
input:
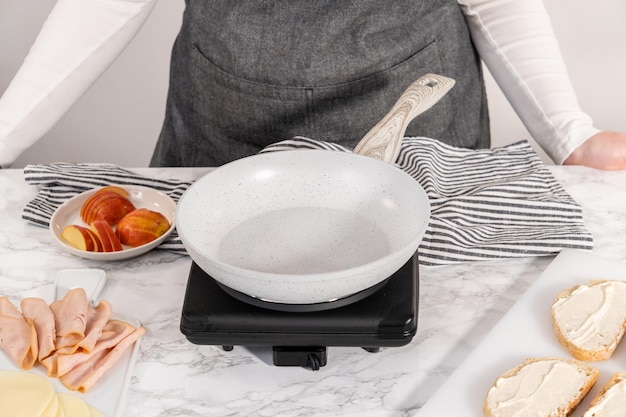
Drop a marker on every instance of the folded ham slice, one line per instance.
(96, 319)
(18, 336)
(39, 312)
(84, 376)
(70, 318)
(114, 332)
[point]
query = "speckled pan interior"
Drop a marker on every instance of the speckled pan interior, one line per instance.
(303, 226)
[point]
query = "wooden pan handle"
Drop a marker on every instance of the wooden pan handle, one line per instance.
(383, 141)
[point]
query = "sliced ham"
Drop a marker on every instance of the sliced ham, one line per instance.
(8, 309)
(37, 310)
(70, 319)
(97, 318)
(70, 313)
(85, 375)
(74, 341)
(113, 333)
(18, 336)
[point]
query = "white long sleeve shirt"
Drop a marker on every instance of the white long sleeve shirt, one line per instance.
(81, 38)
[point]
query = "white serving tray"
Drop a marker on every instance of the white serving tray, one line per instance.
(525, 331)
(108, 394)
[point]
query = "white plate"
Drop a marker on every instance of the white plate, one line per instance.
(109, 392)
(142, 197)
(524, 332)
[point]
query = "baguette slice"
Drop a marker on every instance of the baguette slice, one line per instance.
(547, 387)
(589, 320)
(611, 400)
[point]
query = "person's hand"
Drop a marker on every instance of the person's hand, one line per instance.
(604, 150)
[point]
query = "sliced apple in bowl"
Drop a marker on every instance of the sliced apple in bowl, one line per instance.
(93, 240)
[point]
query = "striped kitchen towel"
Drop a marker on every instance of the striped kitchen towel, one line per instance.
(486, 204)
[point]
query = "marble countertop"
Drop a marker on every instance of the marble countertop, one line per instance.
(458, 306)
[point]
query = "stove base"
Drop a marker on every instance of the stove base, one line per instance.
(306, 357)
(385, 318)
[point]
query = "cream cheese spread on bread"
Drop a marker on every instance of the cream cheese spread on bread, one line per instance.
(611, 401)
(539, 387)
(591, 317)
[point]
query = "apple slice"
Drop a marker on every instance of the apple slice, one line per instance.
(141, 226)
(110, 242)
(81, 238)
(116, 189)
(105, 205)
(96, 240)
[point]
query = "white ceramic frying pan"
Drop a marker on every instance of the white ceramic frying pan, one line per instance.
(312, 226)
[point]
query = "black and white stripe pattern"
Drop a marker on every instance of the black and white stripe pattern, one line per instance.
(486, 204)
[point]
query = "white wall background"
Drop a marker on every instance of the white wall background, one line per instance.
(119, 118)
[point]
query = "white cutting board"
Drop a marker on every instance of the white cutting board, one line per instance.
(525, 331)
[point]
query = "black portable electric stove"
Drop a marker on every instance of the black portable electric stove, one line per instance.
(387, 317)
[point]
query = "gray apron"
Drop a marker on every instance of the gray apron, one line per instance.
(245, 74)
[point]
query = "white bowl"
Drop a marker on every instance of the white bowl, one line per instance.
(142, 197)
